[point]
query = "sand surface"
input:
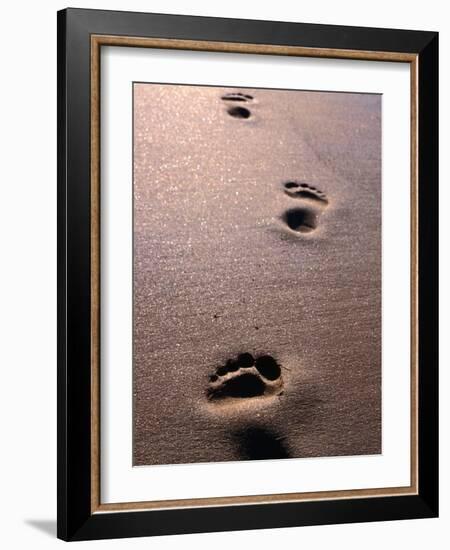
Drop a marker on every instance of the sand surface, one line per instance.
(232, 256)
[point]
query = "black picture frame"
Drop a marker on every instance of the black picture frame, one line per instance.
(76, 518)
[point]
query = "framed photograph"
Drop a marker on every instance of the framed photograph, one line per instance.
(247, 254)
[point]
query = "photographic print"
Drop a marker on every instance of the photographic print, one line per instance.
(247, 274)
(256, 274)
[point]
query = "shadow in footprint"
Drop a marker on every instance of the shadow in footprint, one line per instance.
(239, 112)
(257, 443)
(246, 385)
(302, 220)
(246, 376)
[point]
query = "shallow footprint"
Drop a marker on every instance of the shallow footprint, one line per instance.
(304, 218)
(246, 377)
(237, 111)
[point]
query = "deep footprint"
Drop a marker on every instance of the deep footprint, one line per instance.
(304, 218)
(246, 377)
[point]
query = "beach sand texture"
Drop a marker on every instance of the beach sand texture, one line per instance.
(257, 274)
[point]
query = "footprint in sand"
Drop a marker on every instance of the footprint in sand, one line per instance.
(237, 111)
(246, 377)
(305, 217)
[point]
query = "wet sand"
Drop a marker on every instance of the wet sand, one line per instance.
(257, 300)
